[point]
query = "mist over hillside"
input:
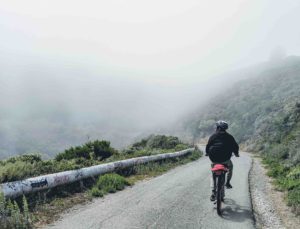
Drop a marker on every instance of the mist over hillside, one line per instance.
(261, 111)
(46, 110)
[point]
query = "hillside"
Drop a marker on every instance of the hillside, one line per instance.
(264, 115)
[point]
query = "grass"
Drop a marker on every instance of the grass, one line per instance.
(49, 210)
(14, 214)
(108, 183)
(286, 179)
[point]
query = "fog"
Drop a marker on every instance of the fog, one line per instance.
(73, 71)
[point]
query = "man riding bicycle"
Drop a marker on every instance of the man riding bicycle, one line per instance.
(219, 148)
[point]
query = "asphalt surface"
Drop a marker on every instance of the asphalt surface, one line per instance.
(177, 199)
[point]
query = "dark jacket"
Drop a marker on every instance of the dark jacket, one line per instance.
(220, 146)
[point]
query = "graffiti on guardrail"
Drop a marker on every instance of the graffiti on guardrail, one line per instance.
(40, 183)
(61, 179)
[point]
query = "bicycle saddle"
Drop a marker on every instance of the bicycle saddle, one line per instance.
(218, 167)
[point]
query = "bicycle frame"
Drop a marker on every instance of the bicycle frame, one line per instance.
(220, 190)
(219, 172)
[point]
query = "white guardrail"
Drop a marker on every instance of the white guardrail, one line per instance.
(35, 184)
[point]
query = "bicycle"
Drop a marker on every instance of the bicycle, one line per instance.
(219, 172)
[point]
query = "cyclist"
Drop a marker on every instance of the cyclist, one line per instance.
(219, 148)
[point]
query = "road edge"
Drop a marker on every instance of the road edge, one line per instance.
(250, 193)
(269, 208)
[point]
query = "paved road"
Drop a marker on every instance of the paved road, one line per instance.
(177, 199)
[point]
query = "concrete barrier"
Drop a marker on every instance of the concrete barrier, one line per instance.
(35, 184)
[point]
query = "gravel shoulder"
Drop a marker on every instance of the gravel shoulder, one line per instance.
(269, 207)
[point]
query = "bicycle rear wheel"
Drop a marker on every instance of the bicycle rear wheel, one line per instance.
(219, 194)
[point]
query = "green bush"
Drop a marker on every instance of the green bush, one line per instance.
(29, 158)
(277, 170)
(102, 149)
(180, 147)
(162, 142)
(140, 144)
(99, 150)
(96, 192)
(110, 183)
(294, 173)
(293, 198)
(17, 171)
(195, 155)
(159, 142)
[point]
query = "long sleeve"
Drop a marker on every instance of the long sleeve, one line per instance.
(208, 145)
(235, 147)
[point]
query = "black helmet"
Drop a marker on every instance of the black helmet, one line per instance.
(222, 125)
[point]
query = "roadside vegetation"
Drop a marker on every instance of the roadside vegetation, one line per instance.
(12, 216)
(264, 116)
(45, 206)
(88, 154)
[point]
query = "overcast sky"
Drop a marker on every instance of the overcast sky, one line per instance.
(126, 65)
(165, 41)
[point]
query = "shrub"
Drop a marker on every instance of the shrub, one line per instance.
(195, 155)
(29, 158)
(16, 171)
(162, 142)
(102, 149)
(295, 173)
(96, 192)
(293, 198)
(91, 150)
(158, 142)
(110, 183)
(180, 147)
(140, 144)
(277, 170)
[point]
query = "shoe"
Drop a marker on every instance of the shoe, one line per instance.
(213, 197)
(228, 185)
